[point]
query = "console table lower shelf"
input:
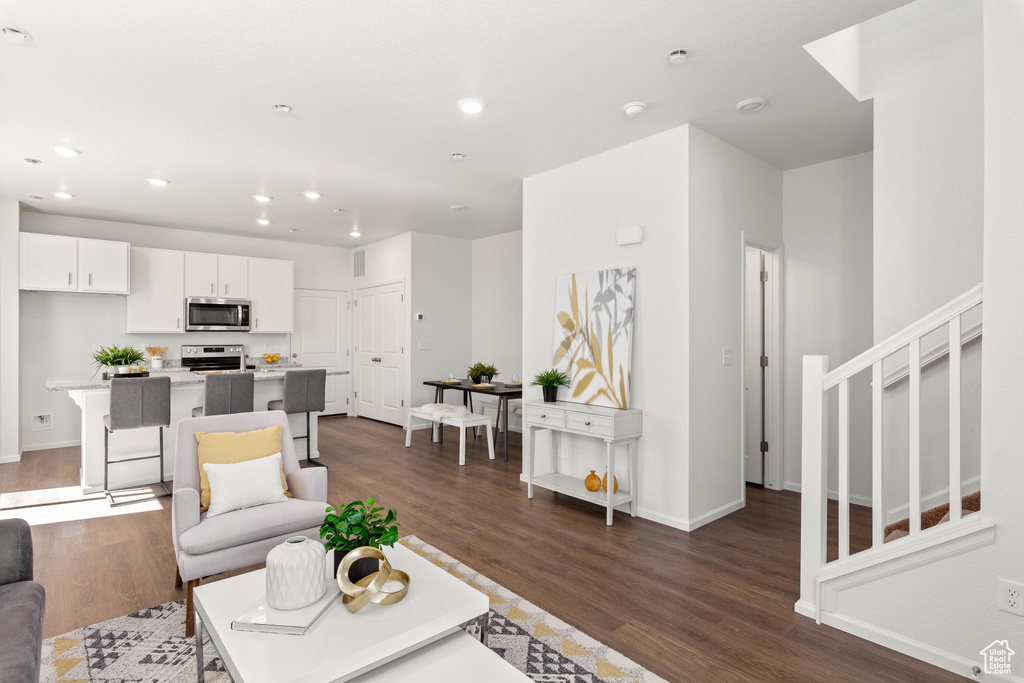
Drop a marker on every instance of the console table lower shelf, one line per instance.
(613, 426)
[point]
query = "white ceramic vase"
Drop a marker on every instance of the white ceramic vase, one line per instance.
(296, 574)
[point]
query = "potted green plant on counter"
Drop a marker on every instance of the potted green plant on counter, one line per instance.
(118, 359)
(549, 381)
(481, 373)
(356, 525)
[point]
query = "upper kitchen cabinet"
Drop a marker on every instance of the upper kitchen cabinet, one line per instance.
(103, 266)
(272, 292)
(216, 276)
(69, 264)
(156, 303)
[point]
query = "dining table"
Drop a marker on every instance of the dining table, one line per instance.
(503, 392)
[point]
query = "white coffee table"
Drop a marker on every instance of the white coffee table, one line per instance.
(341, 645)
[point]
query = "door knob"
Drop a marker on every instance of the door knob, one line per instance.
(295, 355)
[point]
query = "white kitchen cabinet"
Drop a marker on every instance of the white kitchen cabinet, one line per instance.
(49, 262)
(103, 266)
(70, 264)
(233, 277)
(157, 300)
(216, 276)
(201, 275)
(272, 292)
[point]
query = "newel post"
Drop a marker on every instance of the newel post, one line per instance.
(813, 481)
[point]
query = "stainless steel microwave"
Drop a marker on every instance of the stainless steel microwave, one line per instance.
(217, 314)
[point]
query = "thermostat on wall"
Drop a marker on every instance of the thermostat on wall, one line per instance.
(632, 234)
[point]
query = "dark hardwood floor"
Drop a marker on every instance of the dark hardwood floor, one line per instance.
(712, 605)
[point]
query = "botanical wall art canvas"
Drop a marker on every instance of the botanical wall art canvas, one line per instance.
(594, 335)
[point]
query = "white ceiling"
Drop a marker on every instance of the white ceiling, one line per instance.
(184, 90)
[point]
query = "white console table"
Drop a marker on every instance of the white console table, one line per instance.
(611, 425)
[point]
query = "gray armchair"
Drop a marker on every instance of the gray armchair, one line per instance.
(22, 603)
(242, 538)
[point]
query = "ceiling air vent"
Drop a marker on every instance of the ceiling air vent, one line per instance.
(359, 263)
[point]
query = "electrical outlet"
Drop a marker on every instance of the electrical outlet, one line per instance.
(41, 422)
(1011, 597)
(268, 346)
(565, 452)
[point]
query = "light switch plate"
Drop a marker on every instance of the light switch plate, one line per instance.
(726, 356)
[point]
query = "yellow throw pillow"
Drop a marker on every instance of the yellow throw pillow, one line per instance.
(225, 448)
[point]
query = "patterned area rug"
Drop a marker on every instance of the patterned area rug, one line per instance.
(150, 646)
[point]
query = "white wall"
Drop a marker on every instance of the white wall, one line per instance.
(827, 217)
(570, 215)
(59, 329)
(965, 618)
(440, 289)
(10, 442)
(926, 81)
(498, 302)
(730, 192)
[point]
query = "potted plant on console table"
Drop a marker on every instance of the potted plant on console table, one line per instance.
(549, 381)
(358, 524)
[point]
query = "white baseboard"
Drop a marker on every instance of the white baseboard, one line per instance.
(55, 444)
(717, 513)
(913, 648)
(833, 494)
(13, 457)
(660, 518)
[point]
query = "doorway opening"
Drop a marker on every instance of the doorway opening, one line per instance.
(761, 407)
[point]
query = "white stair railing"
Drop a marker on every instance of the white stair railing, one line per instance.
(817, 382)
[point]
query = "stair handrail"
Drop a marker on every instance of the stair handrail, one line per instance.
(915, 330)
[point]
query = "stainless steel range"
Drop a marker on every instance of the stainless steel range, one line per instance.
(208, 360)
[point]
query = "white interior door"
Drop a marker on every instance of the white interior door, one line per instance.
(392, 354)
(379, 375)
(321, 340)
(753, 370)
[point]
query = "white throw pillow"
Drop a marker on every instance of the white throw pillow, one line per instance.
(244, 484)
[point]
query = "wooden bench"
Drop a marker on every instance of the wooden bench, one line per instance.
(433, 423)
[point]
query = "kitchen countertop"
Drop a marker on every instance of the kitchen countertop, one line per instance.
(178, 379)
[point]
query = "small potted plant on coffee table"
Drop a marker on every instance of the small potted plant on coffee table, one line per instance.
(549, 381)
(481, 373)
(356, 525)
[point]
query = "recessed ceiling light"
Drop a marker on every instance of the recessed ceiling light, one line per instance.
(634, 109)
(471, 105)
(293, 229)
(458, 207)
(355, 232)
(262, 197)
(67, 152)
(158, 182)
(457, 156)
(676, 58)
(30, 160)
(61, 194)
(312, 194)
(36, 197)
(282, 108)
(752, 104)
(262, 221)
(13, 35)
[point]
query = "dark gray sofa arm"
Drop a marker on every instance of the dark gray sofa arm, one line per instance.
(15, 551)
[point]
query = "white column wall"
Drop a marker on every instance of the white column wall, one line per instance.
(10, 401)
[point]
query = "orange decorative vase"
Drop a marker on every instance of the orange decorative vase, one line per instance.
(592, 482)
(615, 483)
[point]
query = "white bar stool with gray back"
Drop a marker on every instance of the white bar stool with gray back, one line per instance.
(136, 404)
(226, 394)
(304, 392)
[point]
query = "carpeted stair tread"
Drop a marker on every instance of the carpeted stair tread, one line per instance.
(937, 515)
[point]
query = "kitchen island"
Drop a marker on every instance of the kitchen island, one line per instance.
(92, 395)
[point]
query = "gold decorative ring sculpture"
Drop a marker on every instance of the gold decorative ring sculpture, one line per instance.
(368, 589)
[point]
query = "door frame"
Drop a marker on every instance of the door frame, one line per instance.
(353, 318)
(775, 255)
(348, 341)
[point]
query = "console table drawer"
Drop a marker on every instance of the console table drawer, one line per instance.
(542, 415)
(594, 424)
